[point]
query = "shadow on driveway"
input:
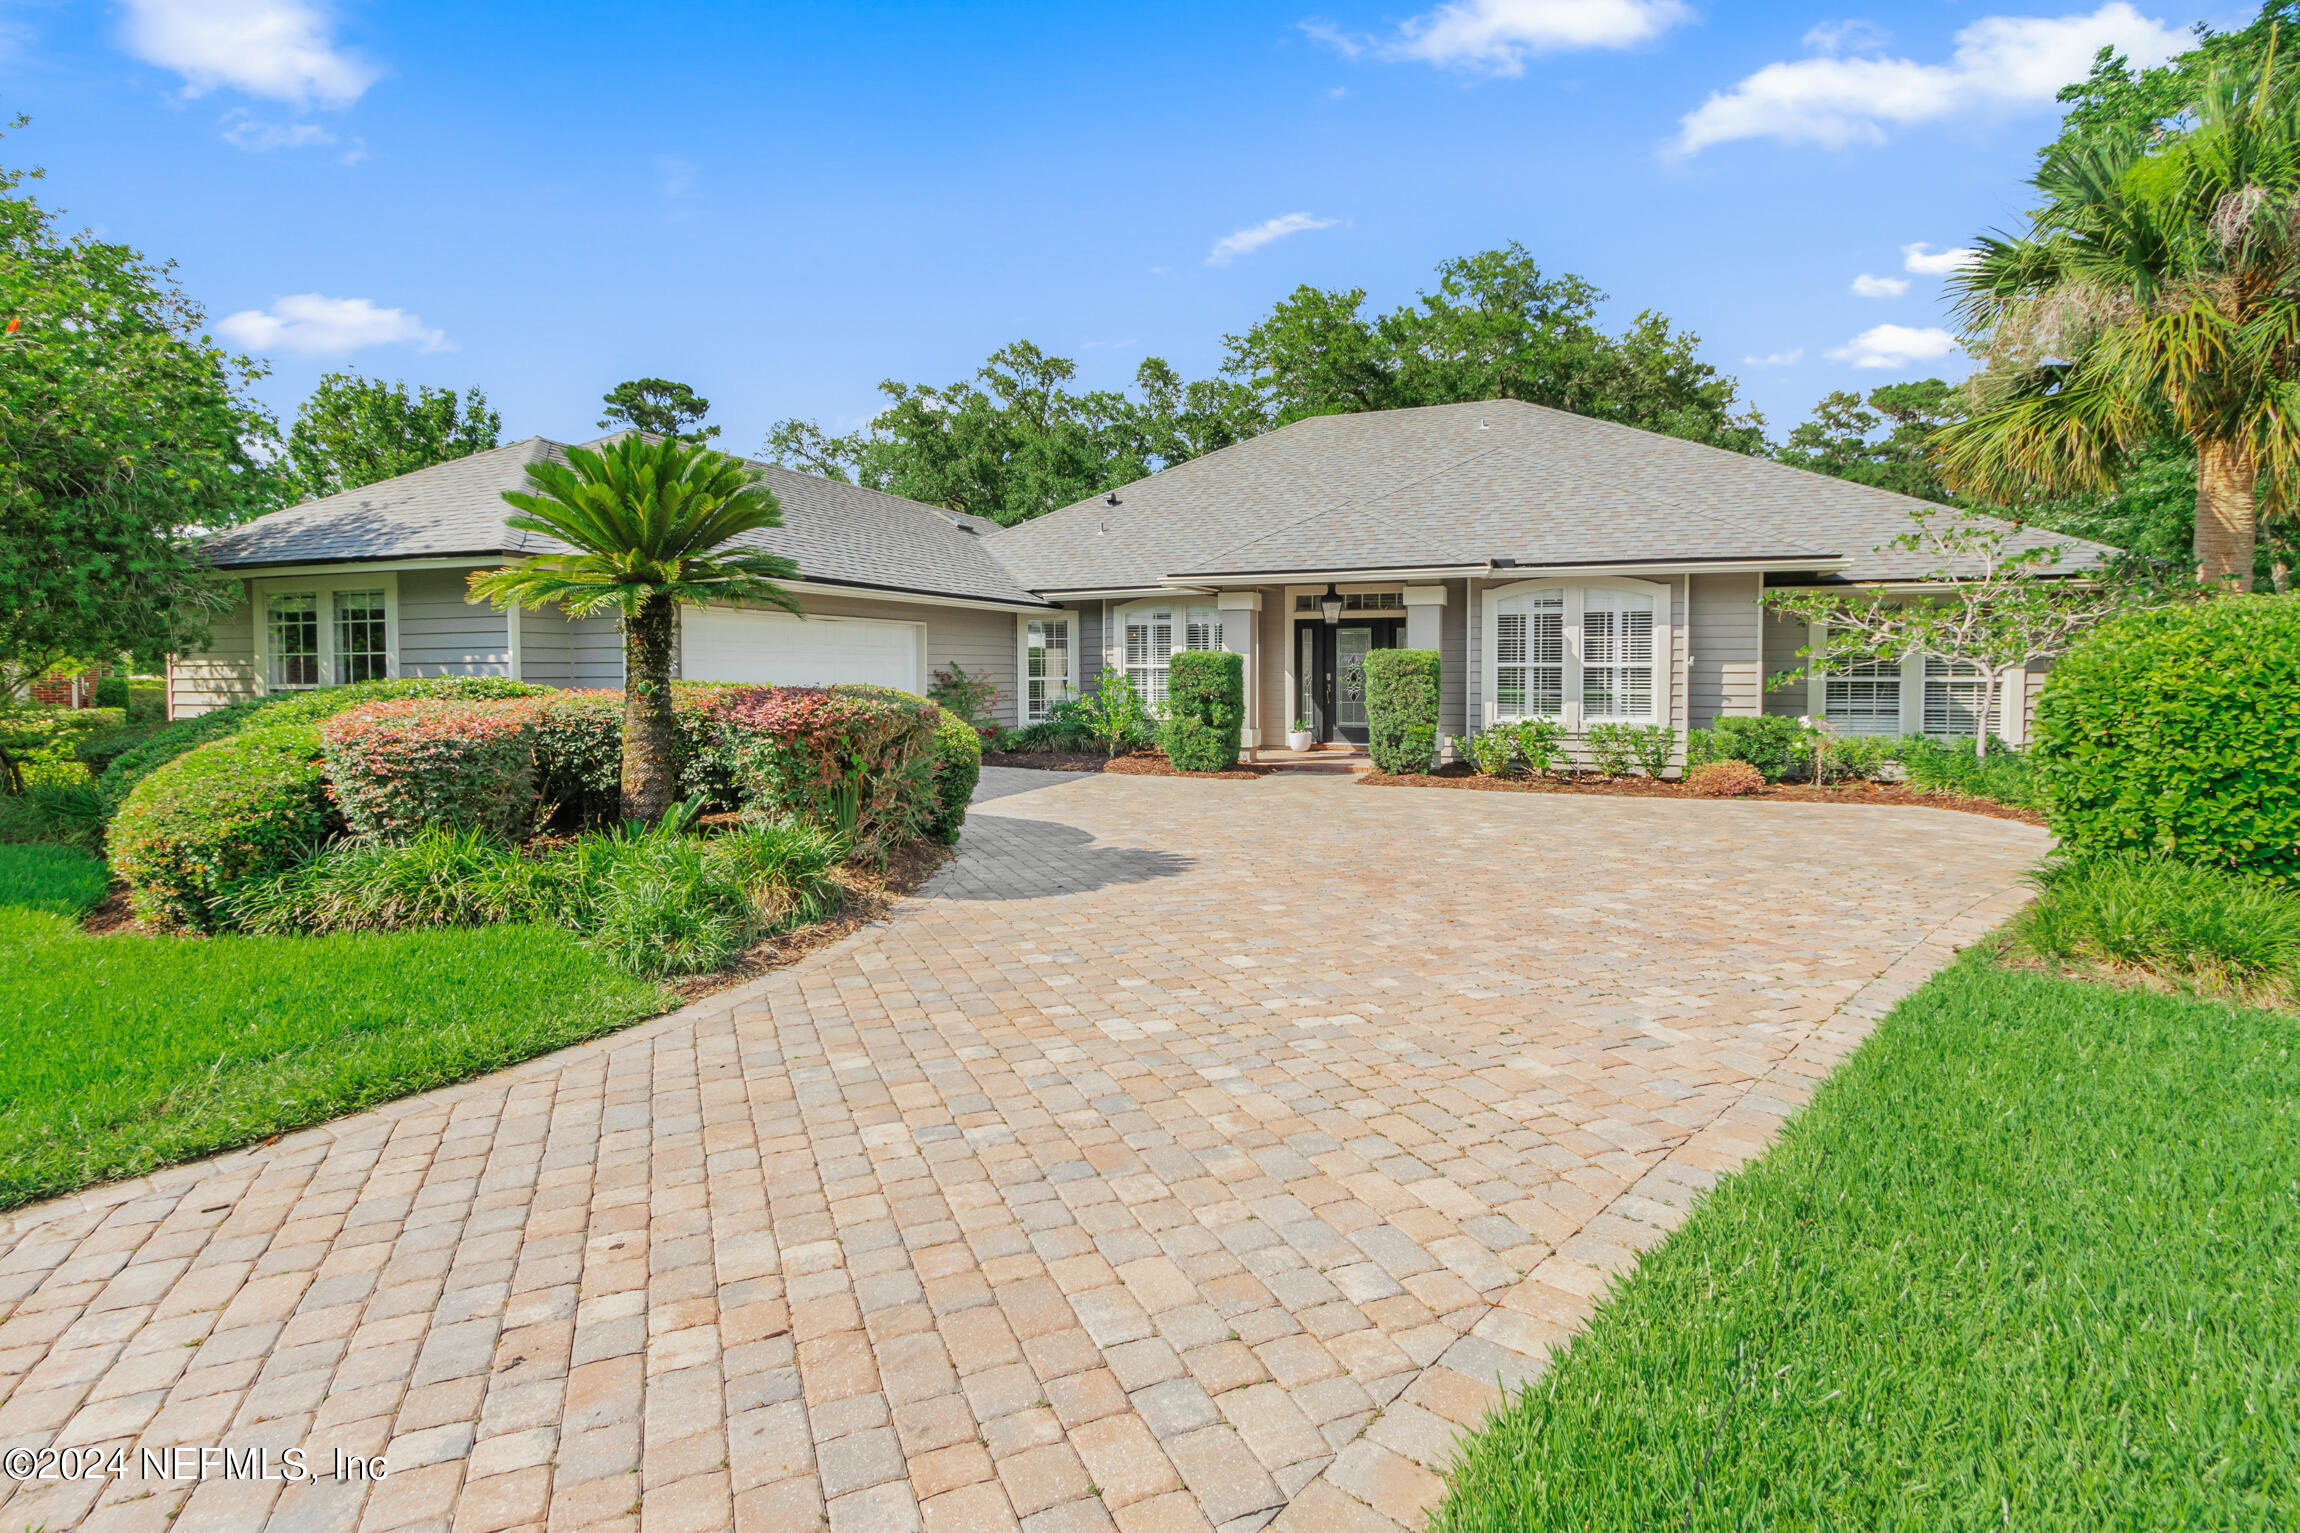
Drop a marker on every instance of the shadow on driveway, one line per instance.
(1007, 859)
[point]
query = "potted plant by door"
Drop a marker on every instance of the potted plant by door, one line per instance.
(1298, 738)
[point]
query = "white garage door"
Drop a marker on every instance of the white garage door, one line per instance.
(776, 649)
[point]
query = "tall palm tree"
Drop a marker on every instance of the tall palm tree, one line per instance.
(648, 521)
(2156, 293)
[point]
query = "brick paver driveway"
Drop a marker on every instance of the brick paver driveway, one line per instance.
(1190, 1153)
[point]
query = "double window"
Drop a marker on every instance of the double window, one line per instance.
(1589, 653)
(1154, 633)
(1922, 694)
(319, 636)
(1046, 673)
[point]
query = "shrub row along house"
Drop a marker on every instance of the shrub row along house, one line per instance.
(1561, 566)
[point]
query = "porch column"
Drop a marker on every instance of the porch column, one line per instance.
(1424, 611)
(1241, 616)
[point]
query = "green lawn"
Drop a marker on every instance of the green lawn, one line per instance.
(2031, 1260)
(122, 1053)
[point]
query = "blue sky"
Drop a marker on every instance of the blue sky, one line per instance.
(782, 205)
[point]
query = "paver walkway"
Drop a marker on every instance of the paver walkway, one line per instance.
(1190, 1153)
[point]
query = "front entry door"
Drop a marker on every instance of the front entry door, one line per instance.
(1335, 672)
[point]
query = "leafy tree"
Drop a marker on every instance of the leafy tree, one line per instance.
(1994, 610)
(1014, 442)
(1842, 439)
(660, 406)
(355, 431)
(1494, 328)
(123, 431)
(2155, 294)
(2115, 99)
(649, 520)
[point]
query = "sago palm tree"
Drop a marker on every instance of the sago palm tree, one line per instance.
(648, 522)
(2156, 293)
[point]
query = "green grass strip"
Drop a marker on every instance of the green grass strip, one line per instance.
(121, 1054)
(2030, 1260)
(62, 880)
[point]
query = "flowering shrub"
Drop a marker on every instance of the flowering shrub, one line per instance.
(1724, 779)
(859, 760)
(395, 767)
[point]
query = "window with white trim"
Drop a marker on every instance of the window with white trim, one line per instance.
(1616, 655)
(361, 650)
(1046, 666)
(1953, 698)
(1863, 699)
(291, 630)
(1581, 653)
(1153, 635)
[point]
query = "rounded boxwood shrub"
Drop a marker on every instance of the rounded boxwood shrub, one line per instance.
(1205, 707)
(1402, 709)
(395, 768)
(2177, 731)
(228, 811)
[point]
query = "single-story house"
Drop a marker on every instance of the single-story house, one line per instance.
(1561, 566)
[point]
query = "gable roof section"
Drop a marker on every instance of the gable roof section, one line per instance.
(840, 534)
(1460, 485)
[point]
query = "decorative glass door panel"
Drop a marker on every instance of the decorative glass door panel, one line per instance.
(1351, 646)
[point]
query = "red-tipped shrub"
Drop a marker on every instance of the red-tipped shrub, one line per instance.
(860, 762)
(394, 768)
(1725, 779)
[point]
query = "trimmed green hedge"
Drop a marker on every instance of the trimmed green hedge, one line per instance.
(2177, 731)
(1767, 743)
(173, 740)
(957, 768)
(231, 810)
(1402, 709)
(1205, 708)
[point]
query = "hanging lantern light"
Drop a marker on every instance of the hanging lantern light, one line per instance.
(1331, 603)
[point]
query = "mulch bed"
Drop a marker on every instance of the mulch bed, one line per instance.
(1461, 775)
(1137, 764)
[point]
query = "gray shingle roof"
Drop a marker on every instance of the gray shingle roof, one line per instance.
(840, 534)
(1453, 485)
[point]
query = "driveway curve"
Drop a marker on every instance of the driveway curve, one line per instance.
(1189, 1154)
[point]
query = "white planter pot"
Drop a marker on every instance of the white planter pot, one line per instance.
(1298, 740)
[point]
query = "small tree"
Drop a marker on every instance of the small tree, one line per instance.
(1992, 609)
(1114, 712)
(648, 522)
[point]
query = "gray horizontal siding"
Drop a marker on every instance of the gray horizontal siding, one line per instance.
(1784, 636)
(443, 633)
(1726, 673)
(223, 673)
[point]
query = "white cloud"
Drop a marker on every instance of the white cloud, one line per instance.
(1498, 35)
(1776, 359)
(2001, 63)
(1835, 37)
(1922, 259)
(1246, 241)
(1894, 346)
(316, 326)
(679, 176)
(1866, 286)
(278, 49)
(255, 135)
